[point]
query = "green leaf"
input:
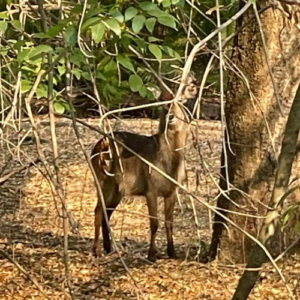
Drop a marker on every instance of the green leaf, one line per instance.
(25, 86)
(155, 50)
(3, 27)
(178, 3)
(130, 13)
(41, 35)
(177, 56)
(19, 44)
(77, 9)
(167, 20)
(77, 58)
(125, 41)
(143, 91)
(117, 15)
(170, 52)
(138, 23)
(141, 43)
(152, 39)
(89, 23)
(16, 24)
(3, 50)
(100, 76)
(166, 3)
(103, 62)
(111, 67)
(61, 69)
(4, 15)
(86, 75)
(38, 50)
(150, 95)
(98, 32)
(125, 62)
(71, 35)
(77, 73)
(150, 23)
(135, 82)
(113, 25)
(42, 91)
(146, 6)
(157, 13)
(30, 69)
(59, 107)
(67, 106)
(23, 55)
(55, 30)
(94, 11)
(29, 44)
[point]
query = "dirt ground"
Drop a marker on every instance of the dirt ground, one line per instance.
(31, 229)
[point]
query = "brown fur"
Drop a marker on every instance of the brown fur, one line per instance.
(120, 173)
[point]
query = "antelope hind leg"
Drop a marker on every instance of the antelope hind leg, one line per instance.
(169, 211)
(108, 195)
(152, 207)
(98, 222)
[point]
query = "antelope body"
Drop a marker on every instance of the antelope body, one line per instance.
(123, 174)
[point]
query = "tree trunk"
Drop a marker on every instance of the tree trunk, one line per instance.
(255, 125)
(271, 223)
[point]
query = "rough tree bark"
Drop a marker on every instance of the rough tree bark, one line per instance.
(271, 224)
(255, 124)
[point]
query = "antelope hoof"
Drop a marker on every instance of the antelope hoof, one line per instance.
(97, 251)
(152, 254)
(152, 257)
(171, 253)
(107, 248)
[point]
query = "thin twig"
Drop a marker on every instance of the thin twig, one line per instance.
(79, 31)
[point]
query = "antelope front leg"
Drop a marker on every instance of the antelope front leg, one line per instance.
(169, 210)
(98, 222)
(152, 207)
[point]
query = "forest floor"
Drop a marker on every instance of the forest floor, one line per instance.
(31, 230)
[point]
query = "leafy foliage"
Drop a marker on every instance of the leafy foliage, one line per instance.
(99, 45)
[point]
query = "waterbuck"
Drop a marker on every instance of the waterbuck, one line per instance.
(120, 173)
